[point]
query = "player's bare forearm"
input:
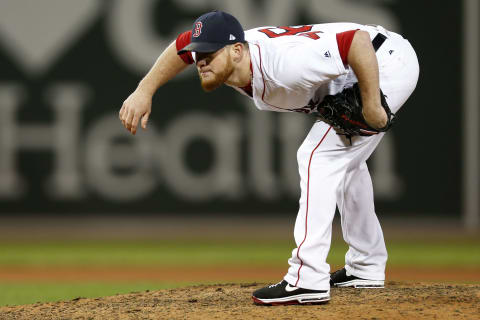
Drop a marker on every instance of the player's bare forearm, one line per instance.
(138, 106)
(363, 60)
(167, 66)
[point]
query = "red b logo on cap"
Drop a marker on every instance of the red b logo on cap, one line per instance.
(198, 29)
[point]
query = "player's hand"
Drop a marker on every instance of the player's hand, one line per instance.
(137, 107)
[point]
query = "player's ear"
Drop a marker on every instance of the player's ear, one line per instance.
(237, 51)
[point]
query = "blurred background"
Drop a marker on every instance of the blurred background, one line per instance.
(212, 178)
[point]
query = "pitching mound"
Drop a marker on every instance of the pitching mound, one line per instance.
(233, 301)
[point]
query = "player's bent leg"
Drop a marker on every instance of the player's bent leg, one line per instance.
(367, 255)
(307, 280)
(319, 179)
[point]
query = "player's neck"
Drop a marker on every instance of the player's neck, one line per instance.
(242, 74)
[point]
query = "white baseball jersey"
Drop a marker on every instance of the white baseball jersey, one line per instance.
(293, 65)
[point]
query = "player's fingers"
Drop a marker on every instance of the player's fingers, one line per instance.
(123, 116)
(128, 120)
(145, 120)
(120, 113)
(134, 124)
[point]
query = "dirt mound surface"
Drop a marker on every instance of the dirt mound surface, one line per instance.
(399, 300)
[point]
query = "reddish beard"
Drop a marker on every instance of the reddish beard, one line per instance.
(217, 78)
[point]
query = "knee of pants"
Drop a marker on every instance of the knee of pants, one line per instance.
(303, 154)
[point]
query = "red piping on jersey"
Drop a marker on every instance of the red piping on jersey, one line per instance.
(263, 78)
(306, 212)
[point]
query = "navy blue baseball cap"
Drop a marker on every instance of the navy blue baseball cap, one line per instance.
(213, 31)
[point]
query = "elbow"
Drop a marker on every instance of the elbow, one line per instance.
(361, 39)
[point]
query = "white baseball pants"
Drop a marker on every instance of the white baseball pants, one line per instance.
(333, 173)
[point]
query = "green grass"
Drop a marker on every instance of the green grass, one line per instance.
(435, 254)
(453, 253)
(28, 293)
(204, 253)
(142, 253)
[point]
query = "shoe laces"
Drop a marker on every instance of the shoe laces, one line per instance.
(274, 285)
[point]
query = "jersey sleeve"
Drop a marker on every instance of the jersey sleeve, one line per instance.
(182, 40)
(344, 41)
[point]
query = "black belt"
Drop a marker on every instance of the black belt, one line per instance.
(378, 41)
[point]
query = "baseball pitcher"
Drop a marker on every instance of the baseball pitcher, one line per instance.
(353, 78)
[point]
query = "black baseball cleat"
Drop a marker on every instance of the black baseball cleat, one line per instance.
(340, 278)
(283, 293)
